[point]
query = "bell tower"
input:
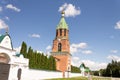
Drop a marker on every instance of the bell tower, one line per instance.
(61, 46)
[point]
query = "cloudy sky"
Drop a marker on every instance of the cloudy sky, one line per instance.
(94, 27)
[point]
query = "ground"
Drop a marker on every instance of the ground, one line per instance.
(86, 78)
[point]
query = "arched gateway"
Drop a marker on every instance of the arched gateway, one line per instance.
(4, 66)
(11, 63)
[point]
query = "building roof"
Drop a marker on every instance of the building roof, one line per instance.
(18, 54)
(85, 68)
(82, 65)
(2, 37)
(62, 24)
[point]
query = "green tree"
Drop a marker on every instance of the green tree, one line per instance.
(38, 60)
(113, 69)
(75, 69)
(29, 55)
(52, 63)
(24, 49)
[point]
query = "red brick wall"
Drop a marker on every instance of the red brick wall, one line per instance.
(62, 61)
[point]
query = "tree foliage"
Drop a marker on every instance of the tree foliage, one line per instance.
(75, 69)
(24, 49)
(112, 70)
(96, 73)
(38, 60)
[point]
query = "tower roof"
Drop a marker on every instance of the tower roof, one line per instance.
(62, 24)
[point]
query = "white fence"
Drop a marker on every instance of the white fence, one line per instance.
(41, 75)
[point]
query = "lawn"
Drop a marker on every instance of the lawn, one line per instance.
(81, 78)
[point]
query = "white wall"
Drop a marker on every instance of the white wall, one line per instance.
(41, 75)
(29, 74)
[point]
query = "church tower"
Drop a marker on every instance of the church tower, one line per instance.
(61, 46)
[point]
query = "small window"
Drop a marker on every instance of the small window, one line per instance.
(64, 32)
(56, 33)
(59, 47)
(19, 74)
(60, 32)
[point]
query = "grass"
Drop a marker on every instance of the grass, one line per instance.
(81, 78)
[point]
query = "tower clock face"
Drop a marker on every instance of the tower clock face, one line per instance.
(4, 58)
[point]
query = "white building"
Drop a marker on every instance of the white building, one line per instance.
(12, 64)
(85, 71)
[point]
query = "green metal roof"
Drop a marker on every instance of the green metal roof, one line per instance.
(62, 24)
(18, 54)
(82, 66)
(2, 37)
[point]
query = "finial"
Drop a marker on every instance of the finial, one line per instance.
(63, 13)
(7, 30)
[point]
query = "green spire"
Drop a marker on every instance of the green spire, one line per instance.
(62, 24)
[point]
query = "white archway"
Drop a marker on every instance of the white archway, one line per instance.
(4, 58)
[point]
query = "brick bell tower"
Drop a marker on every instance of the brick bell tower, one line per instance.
(61, 46)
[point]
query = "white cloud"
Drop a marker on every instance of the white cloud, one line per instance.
(93, 65)
(10, 6)
(3, 25)
(7, 18)
(49, 47)
(18, 49)
(35, 35)
(117, 26)
(1, 9)
(48, 50)
(39, 51)
(75, 61)
(114, 51)
(70, 10)
(73, 49)
(114, 57)
(81, 45)
(87, 52)
(76, 47)
(48, 53)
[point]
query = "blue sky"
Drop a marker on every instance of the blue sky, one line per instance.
(94, 27)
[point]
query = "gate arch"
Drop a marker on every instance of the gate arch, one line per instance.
(4, 58)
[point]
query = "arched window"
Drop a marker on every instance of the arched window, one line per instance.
(64, 32)
(19, 73)
(59, 47)
(60, 32)
(56, 33)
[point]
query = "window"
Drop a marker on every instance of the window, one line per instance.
(19, 73)
(64, 32)
(59, 47)
(56, 33)
(60, 32)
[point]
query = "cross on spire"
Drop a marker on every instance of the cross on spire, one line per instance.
(6, 30)
(63, 13)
